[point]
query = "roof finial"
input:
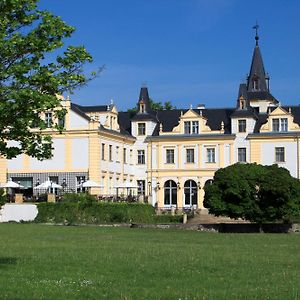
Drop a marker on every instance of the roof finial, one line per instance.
(256, 33)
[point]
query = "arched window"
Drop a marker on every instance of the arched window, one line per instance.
(190, 193)
(170, 196)
(208, 182)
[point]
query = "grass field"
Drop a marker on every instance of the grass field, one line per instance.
(65, 262)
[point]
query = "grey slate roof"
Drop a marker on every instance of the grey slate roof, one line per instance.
(124, 120)
(257, 70)
(148, 113)
(94, 108)
(261, 96)
(76, 108)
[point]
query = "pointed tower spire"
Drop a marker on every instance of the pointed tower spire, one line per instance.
(257, 79)
(256, 33)
(144, 101)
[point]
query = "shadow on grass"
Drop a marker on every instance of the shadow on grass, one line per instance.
(4, 261)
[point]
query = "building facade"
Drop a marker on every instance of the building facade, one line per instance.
(170, 155)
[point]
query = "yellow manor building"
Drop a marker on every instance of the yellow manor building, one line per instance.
(168, 156)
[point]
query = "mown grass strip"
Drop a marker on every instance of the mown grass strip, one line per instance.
(66, 262)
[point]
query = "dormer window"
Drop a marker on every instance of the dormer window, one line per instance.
(141, 128)
(195, 127)
(255, 84)
(242, 125)
(187, 127)
(191, 127)
(142, 106)
(242, 102)
(280, 124)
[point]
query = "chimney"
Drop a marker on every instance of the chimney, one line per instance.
(201, 106)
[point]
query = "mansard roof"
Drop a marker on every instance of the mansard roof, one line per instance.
(144, 117)
(261, 96)
(124, 120)
(215, 116)
(77, 109)
(94, 108)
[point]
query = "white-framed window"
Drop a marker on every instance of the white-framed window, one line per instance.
(195, 127)
(280, 124)
(187, 127)
(141, 157)
(284, 124)
(191, 127)
(141, 128)
(48, 119)
(279, 154)
(242, 125)
(103, 151)
(124, 156)
(110, 153)
(141, 187)
(242, 155)
(117, 153)
(211, 155)
(190, 155)
(170, 156)
(130, 156)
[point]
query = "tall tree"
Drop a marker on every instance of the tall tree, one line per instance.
(30, 78)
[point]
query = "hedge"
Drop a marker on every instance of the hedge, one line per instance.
(90, 212)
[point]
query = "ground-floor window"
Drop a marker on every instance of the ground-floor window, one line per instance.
(79, 181)
(279, 154)
(141, 187)
(170, 193)
(190, 193)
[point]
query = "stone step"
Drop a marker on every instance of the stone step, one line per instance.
(209, 218)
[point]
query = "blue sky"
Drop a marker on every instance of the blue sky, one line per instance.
(186, 51)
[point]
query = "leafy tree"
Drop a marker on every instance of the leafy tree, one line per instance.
(156, 106)
(31, 75)
(161, 106)
(253, 192)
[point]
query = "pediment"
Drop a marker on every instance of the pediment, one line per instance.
(279, 111)
(190, 114)
(114, 110)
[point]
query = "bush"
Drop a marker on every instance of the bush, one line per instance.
(83, 212)
(78, 197)
(3, 198)
(254, 192)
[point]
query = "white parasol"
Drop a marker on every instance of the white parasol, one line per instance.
(48, 184)
(11, 184)
(91, 184)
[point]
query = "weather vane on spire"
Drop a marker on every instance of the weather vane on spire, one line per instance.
(256, 32)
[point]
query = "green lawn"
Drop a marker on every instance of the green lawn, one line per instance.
(57, 262)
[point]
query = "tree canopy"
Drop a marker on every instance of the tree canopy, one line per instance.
(167, 105)
(32, 75)
(253, 192)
